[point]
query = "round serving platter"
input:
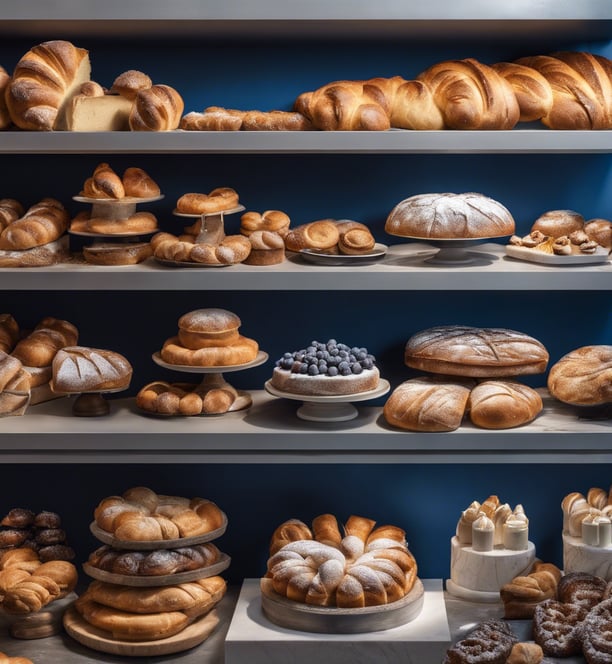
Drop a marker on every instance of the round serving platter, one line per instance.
(331, 620)
(161, 580)
(452, 251)
(601, 255)
(320, 257)
(192, 215)
(260, 358)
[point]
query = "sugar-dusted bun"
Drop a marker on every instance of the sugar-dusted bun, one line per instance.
(270, 220)
(139, 184)
(81, 369)
(204, 328)
(449, 216)
(104, 183)
(43, 83)
(322, 234)
(503, 404)
(130, 82)
(428, 403)
(157, 108)
(600, 230)
(556, 223)
(219, 199)
(479, 352)
(91, 89)
(583, 377)
(109, 253)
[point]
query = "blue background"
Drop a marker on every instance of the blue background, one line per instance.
(426, 500)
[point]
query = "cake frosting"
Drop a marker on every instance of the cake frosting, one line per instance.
(491, 546)
(326, 369)
(587, 533)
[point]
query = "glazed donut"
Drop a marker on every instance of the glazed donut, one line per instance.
(219, 199)
(139, 222)
(242, 351)
(556, 223)
(270, 220)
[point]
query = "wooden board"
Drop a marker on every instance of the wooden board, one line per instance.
(149, 545)
(39, 624)
(163, 580)
(88, 635)
(331, 620)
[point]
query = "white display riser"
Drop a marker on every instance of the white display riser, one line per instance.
(253, 638)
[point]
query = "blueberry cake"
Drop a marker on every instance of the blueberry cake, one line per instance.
(326, 369)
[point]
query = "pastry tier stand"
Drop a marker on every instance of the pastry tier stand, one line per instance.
(452, 251)
(90, 404)
(212, 224)
(213, 377)
(335, 408)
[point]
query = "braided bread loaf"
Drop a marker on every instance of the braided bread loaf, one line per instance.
(231, 250)
(44, 81)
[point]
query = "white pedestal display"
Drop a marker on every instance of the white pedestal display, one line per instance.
(478, 575)
(580, 557)
(253, 638)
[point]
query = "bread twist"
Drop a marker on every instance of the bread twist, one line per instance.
(158, 108)
(44, 80)
(232, 249)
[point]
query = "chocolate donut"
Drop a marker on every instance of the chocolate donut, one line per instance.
(556, 627)
(47, 519)
(18, 518)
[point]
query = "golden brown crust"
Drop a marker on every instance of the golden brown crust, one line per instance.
(130, 82)
(218, 200)
(139, 184)
(322, 234)
(243, 350)
(503, 404)
(5, 117)
(556, 223)
(270, 220)
(158, 108)
(42, 224)
(108, 253)
(104, 183)
(583, 376)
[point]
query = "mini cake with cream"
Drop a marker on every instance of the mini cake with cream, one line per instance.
(587, 533)
(491, 547)
(326, 369)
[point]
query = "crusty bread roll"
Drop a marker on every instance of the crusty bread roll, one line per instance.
(600, 230)
(130, 82)
(43, 223)
(157, 108)
(39, 348)
(10, 211)
(231, 249)
(322, 234)
(355, 241)
(525, 652)
(5, 117)
(79, 369)
(428, 403)
(43, 83)
(104, 183)
(139, 222)
(218, 200)
(15, 386)
(9, 332)
(270, 220)
(139, 184)
(109, 253)
(503, 404)
(479, 352)
(449, 216)
(240, 351)
(203, 328)
(583, 377)
(556, 223)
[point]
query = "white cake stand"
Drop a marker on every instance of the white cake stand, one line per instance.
(452, 251)
(336, 408)
(213, 377)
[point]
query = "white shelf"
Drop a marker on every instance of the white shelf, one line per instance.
(404, 268)
(270, 432)
(395, 141)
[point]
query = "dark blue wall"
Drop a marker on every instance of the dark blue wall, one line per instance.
(425, 500)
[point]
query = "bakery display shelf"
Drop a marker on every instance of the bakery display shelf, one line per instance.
(270, 432)
(394, 141)
(405, 267)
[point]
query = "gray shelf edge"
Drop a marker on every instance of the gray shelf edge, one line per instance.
(517, 141)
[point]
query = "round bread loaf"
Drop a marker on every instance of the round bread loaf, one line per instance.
(501, 404)
(600, 230)
(239, 351)
(449, 216)
(130, 82)
(583, 377)
(556, 223)
(322, 234)
(205, 328)
(479, 352)
(78, 369)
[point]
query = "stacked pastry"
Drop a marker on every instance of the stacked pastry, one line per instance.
(26, 360)
(361, 566)
(474, 370)
(490, 547)
(34, 237)
(205, 241)
(41, 532)
(566, 233)
(51, 89)
(266, 233)
(114, 214)
(587, 532)
(329, 236)
(148, 586)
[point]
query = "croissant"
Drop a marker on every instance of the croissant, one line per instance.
(158, 108)
(44, 81)
(581, 86)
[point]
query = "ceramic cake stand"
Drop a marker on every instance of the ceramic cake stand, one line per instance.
(337, 408)
(453, 251)
(91, 404)
(213, 377)
(113, 209)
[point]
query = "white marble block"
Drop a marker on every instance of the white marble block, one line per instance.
(475, 572)
(254, 639)
(580, 557)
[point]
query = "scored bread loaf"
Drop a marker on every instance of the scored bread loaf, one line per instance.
(104, 183)
(79, 369)
(450, 216)
(503, 404)
(428, 403)
(157, 108)
(583, 377)
(139, 184)
(478, 352)
(43, 83)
